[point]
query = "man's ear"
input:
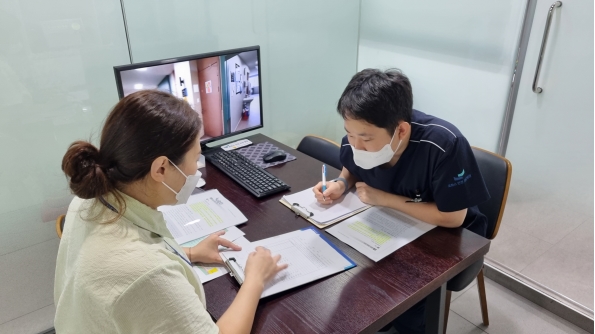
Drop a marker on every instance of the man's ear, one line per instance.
(403, 129)
(158, 169)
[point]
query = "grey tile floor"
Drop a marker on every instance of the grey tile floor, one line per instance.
(549, 240)
(27, 276)
(508, 313)
(27, 280)
(34, 322)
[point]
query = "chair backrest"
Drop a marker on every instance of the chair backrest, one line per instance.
(321, 149)
(60, 225)
(496, 171)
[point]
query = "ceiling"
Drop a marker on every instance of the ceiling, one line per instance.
(149, 78)
(249, 58)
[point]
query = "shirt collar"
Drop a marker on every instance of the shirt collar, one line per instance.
(142, 215)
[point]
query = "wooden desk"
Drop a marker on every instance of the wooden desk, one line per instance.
(362, 299)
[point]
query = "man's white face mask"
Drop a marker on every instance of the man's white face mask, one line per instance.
(369, 160)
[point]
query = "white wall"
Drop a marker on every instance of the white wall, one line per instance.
(253, 80)
(236, 101)
(182, 70)
(197, 105)
(172, 84)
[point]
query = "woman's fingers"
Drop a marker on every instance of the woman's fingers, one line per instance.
(226, 243)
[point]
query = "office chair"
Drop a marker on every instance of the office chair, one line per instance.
(321, 149)
(60, 225)
(496, 171)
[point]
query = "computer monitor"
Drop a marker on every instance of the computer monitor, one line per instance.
(223, 87)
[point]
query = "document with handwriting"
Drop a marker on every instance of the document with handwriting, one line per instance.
(343, 207)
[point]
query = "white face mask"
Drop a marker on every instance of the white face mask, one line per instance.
(369, 160)
(191, 182)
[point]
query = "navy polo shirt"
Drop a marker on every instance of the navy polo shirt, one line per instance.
(438, 166)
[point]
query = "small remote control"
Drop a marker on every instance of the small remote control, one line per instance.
(236, 145)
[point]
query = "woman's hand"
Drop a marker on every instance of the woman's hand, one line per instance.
(207, 251)
(369, 195)
(261, 266)
(333, 191)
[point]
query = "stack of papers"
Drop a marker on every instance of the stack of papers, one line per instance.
(376, 233)
(309, 254)
(379, 231)
(204, 214)
(323, 215)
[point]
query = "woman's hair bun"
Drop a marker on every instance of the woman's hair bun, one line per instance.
(81, 164)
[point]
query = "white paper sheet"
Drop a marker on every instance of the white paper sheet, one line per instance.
(210, 272)
(205, 213)
(231, 233)
(310, 257)
(325, 213)
(379, 231)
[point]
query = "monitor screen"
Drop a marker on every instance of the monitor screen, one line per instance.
(222, 87)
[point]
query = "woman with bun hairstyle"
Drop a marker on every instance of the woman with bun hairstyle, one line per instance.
(119, 269)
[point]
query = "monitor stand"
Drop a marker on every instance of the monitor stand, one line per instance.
(204, 148)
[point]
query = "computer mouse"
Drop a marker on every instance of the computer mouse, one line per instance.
(273, 156)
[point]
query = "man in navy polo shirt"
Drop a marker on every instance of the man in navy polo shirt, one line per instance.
(406, 160)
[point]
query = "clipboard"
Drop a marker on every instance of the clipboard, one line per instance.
(306, 245)
(235, 270)
(304, 213)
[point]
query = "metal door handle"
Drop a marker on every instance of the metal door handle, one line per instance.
(548, 22)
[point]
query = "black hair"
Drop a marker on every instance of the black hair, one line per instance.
(380, 98)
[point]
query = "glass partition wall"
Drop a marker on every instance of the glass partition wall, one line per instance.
(308, 51)
(56, 65)
(460, 58)
(56, 86)
(458, 55)
(546, 237)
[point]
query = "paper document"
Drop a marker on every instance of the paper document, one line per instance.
(343, 207)
(207, 272)
(309, 254)
(379, 231)
(231, 234)
(205, 213)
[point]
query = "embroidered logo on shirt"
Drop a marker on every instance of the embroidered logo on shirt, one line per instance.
(460, 179)
(459, 176)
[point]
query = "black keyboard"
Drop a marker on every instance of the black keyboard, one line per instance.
(248, 174)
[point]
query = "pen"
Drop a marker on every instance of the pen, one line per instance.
(323, 180)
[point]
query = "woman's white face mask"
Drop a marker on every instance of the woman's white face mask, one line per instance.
(191, 182)
(369, 160)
